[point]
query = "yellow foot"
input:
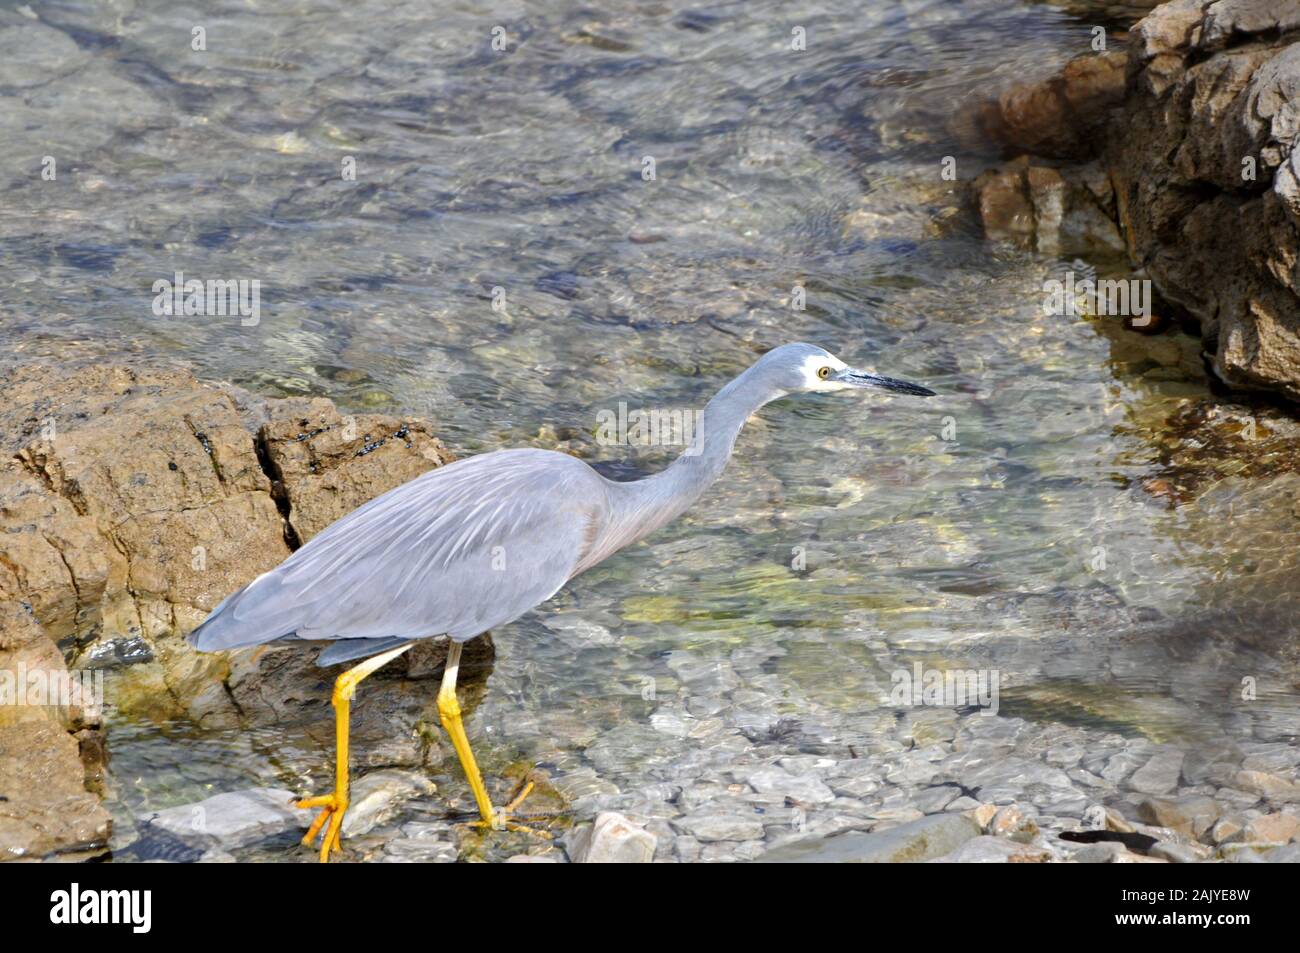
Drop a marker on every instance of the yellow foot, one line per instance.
(330, 820)
(506, 818)
(501, 821)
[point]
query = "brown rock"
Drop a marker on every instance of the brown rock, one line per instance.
(1226, 829)
(46, 808)
(1272, 829)
(1037, 208)
(132, 501)
(327, 464)
(1063, 116)
(1191, 815)
(1268, 786)
(1169, 28)
(1206, 192)
(137, 500)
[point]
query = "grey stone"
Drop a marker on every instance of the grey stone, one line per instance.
(1179, 853)
(1290, 854)
(1105, 852)
(709, 827)
(232, 820)
(1160, 774)
(987, 849)
(914, 841)
(420, 850)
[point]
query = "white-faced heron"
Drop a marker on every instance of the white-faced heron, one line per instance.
(473, 545)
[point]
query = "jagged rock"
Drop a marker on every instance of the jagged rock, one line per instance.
(136, 499)
(1197, 123)
(327, 464)
(1033, 206)
(1202, 157)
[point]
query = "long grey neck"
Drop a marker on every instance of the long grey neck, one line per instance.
(643, 506)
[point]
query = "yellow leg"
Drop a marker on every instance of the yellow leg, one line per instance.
(334, 806)
(449, 711)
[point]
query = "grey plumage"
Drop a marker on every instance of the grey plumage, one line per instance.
(473, 545)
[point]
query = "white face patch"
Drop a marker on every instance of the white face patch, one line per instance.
(812, 373)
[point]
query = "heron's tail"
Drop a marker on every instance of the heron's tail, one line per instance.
(234, 624)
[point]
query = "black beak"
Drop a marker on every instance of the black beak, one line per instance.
(875, 381)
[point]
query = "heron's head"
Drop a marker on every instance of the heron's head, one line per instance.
(802, 368)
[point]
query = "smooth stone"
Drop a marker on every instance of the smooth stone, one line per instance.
(1272, 828)
(232, 820)
(612, 839)
(1159, 775)
(1244, 853)
(1179, 853)
(709, 827)
(1120, 766)
(1290, 854)
(1104, 852)
(1269, 786)
(420, 850)
(376, 796)
(912, 842)
(987, 849)
(805, 789)
(935, 799)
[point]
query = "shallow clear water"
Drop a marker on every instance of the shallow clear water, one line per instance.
(962, 531)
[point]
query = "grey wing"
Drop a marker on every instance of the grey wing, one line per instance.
(456, 551)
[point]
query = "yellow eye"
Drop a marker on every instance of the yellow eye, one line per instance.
(824, 373)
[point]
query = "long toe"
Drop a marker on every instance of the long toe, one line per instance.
(329, 821)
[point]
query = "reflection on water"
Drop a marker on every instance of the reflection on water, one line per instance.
(1008, 523)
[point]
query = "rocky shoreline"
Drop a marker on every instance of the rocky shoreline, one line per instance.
(1174, 159)
(134, 498)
